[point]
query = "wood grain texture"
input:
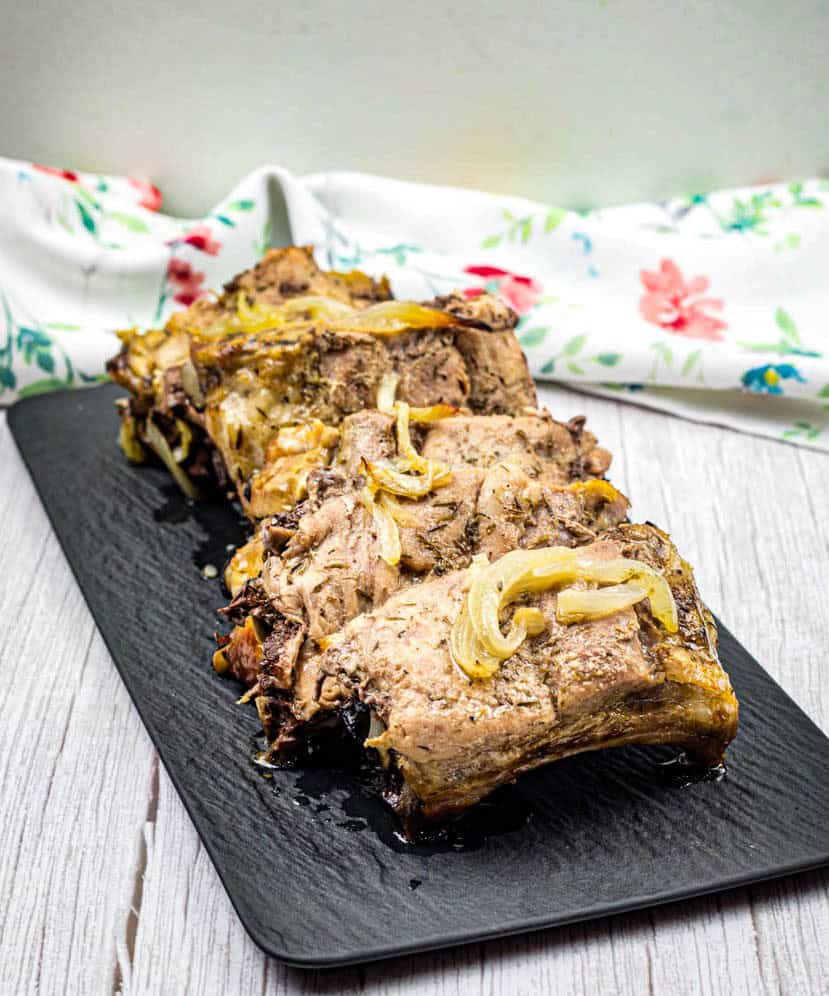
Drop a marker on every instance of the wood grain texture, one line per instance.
(90, 827)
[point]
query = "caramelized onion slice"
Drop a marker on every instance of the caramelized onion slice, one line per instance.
(580, 604)
(386, 392)
(432, 413)
(162, 448)
(190, 383)
(129, 441)
(394, 317)
(246, 563)
(466, 649)
(387, 534)
(506, 579)
(622, 569)
(409, 458)
(477, 634)
(260, 318)
(387, 477)
(400, 513)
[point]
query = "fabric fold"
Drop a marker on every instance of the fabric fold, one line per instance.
(712, 307)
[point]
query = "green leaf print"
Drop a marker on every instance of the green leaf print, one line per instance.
(662, 353)
(100, 378)
(786, 325)
(264, 243)
(690, 362)
(571, 349)
(791, 241)
(42, 386)
(45, 361)
(522, 229)
(789, 345)
(803, 430)
(29, 344)
(519, 228)
(130, 222)
(532, 337)
(243, 205)
(574, 345)
(223, 218)
(81, 192)
(87, 218)
(554, 218)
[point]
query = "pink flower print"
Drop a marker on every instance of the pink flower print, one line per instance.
(150, 194)
(64, 174)
(676, 305)
(520, 293)
(186, 281)
(199, 237)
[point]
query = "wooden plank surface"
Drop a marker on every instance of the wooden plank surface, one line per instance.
(104, 886)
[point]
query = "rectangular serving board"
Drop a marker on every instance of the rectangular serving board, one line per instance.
(309, 858)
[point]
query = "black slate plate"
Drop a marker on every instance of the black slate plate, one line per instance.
(309, 859)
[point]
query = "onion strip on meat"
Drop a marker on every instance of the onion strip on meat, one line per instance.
(260, 318)
(387, 534)
(156, 440)
(386, 392)
(410, 475)
(581, 604)
(393, 317)
(477, 639)
(387, 318)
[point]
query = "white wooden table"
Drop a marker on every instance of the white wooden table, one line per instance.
(104, 886)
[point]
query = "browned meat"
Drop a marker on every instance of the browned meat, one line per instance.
(204, 376)
(499, 379)
(241, 655)
(156, 368)
(270, 388)
(366, 435)
(280, 275)
(448, 740)
(485, 441)
(483, 309)
(479, 441)
(331, 569)
(255, 384)
(513, 485)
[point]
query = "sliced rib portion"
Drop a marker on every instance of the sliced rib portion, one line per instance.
(447, 741)
(281, 275)
(149, 362)
(515, 482)
(157, 369)
(289, 347)
(479, 441)
(256, 385)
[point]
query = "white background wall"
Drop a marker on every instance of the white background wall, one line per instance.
(580, 103)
